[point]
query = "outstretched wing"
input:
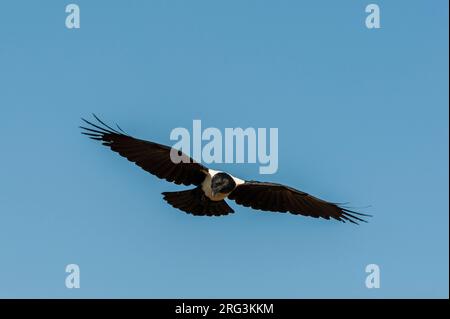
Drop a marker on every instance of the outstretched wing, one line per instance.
(152, 157)
(280, 198)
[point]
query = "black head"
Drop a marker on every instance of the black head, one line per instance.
(222, 183)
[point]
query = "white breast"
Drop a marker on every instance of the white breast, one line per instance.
(206, 185)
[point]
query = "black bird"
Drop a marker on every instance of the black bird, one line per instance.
(212, 187)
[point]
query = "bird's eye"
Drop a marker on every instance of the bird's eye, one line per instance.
(179, 153)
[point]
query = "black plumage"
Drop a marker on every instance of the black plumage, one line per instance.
(280, 198)
(212, 187)
(150, 156)
(195, 202)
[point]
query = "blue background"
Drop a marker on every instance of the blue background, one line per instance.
(362, 117)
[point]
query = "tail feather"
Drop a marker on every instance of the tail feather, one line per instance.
(194, 201)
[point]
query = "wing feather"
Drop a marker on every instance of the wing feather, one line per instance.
(152, 157)
(280, 198)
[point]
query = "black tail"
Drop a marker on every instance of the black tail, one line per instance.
(194, 201)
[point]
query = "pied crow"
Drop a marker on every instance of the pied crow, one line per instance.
(212, 187)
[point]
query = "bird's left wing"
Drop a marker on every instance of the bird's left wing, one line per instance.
(280, 198)
(152, 157)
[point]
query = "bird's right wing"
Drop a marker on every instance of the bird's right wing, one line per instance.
(152, 157)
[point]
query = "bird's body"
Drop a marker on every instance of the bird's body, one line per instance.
(213, 187)
(207, 185)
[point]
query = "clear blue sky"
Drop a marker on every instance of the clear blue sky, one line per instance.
(362, 117)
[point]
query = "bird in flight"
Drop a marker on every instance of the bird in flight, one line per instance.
(212, 187)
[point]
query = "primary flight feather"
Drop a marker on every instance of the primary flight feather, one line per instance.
(212, 187)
